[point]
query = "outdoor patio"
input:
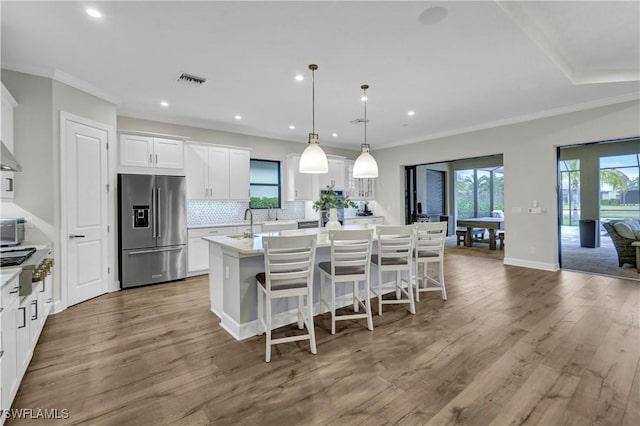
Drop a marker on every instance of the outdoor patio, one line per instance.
(602, 260)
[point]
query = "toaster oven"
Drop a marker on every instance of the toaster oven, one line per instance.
(11, 232)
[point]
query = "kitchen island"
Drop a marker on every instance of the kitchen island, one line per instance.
(234, 261)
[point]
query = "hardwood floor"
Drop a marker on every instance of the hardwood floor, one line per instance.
(510, 346)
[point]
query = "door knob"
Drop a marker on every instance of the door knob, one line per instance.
(72, 236)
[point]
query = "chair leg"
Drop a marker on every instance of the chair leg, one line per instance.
(412, 305)
(312, 329)
(333, 307)
(398, 285)
(444, 290)
(356, 288)
(300, 317)
(267, 356)
(367, 291)
(260, 310)
(418, 281)
(379, 291)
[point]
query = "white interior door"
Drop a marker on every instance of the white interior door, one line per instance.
(86, 206)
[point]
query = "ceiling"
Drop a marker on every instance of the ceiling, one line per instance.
(484, 64)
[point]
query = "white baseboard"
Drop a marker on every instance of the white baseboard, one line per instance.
(531, 264)
(57, 307)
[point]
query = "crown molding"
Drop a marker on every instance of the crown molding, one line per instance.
(65, 78)
(628, 97)
(518, 15)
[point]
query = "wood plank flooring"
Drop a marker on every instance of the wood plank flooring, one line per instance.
(511, 347)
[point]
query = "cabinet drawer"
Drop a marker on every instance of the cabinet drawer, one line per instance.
(212, 232)
(10, 292)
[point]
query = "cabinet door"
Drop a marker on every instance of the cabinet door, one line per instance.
(218, 173)
(48, 294)
(239, 164)
(299, 186)
(197, 171)
(9, 363)
(136, 151)
(23, 340)
(6, 118)
(198, 255)
(35, 315)
(335, 177)
(168, 153)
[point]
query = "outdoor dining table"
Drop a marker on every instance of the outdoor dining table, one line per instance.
(490, 223)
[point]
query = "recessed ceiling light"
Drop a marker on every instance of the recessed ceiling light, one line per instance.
(291, 127)
(164, 103)
(335, 135)
(238, 117)
(432, 15)
(94, 13)
(299, 77)
(364, 99)
(411, 113)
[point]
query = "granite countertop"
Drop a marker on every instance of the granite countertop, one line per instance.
(7, 274)
(253, 246)
(223, 225)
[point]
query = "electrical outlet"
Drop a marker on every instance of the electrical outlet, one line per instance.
(28, 222)
(532, 250)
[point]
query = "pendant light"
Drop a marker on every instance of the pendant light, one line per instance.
(313, 159)
(365, 165)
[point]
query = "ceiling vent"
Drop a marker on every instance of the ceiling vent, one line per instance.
(359, 121)
(191, 80)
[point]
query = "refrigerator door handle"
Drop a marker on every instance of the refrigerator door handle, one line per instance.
(131, 253)
(157, 215)
(154, 207)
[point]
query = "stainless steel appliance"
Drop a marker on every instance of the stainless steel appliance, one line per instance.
(152, 231)
(306, 224)
(32, 261)
(11, 232)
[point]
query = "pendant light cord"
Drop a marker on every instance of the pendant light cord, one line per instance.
(365, 117)
(313, 68)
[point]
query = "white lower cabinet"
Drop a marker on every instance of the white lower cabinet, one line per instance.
(22, 319)
(198, 249)
(363, 220)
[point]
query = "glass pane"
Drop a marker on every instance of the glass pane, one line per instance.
(619, 192)
(498, 190)
(484, 193)
(263, 197)
(464, 194)
(264, 171)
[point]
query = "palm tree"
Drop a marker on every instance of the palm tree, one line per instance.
(618, 180)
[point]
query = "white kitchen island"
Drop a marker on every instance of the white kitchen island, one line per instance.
(234, 262)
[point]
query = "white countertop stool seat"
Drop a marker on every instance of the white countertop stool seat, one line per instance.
(289, 263)
(429, 248)
(350, 253)
(395, 250)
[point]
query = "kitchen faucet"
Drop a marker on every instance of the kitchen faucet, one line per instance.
(276, 209)
(250, 233)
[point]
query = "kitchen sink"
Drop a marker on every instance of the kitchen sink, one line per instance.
(239, 237)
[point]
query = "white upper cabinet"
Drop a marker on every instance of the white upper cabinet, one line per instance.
(217, 172)
(151, 152)
(358, 188)
(168, 153)
(299, 186)
(6, 132)
(239, 166)
(335, 177)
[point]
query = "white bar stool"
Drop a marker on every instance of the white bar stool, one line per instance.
(429, 248)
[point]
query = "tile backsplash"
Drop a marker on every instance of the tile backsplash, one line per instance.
(216, 212)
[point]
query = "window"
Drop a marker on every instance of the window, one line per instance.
(435, 192)
(619, 187)
(264, 184)
(570, 191)
(479, 191)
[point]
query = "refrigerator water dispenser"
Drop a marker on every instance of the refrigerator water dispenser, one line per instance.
(140, 216)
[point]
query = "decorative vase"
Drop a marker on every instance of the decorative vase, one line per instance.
(333, 223)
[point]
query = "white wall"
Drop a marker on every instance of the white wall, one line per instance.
(530, 166)
(261, 148)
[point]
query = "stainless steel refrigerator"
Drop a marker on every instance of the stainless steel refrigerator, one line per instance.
(152, 229)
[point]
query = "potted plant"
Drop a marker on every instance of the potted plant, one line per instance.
(329, 200)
